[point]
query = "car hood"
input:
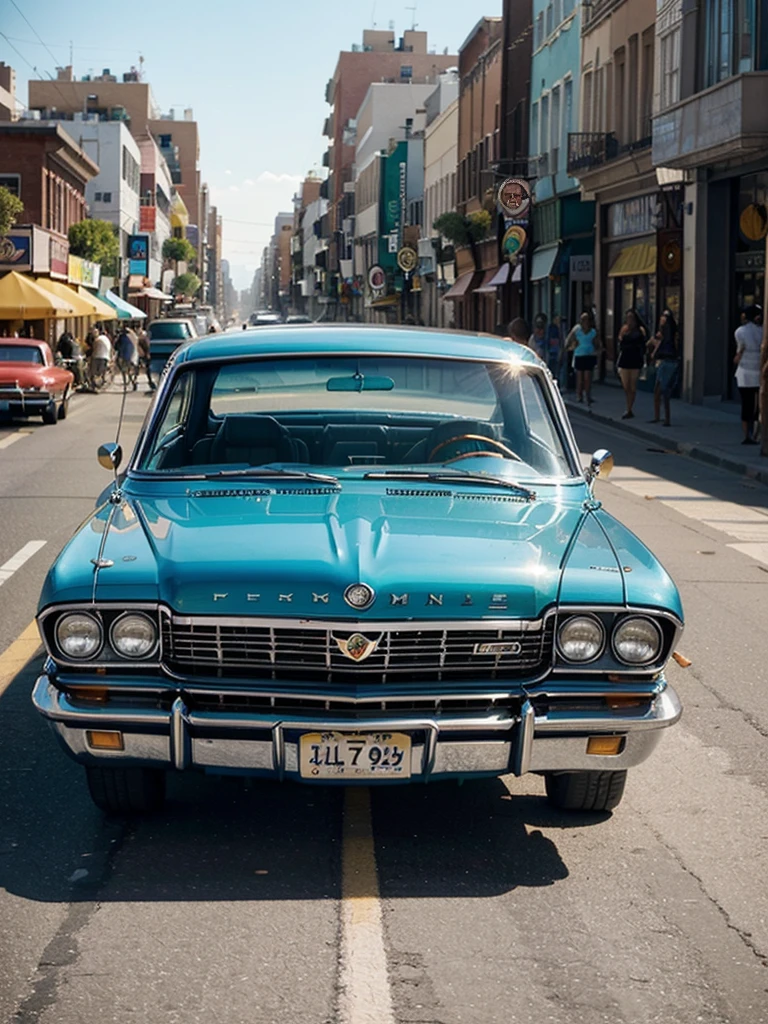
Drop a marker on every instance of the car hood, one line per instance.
(24, 374)
(427, 554)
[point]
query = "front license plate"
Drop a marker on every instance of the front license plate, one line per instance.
(341, 755)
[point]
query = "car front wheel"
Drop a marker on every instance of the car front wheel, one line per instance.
(126, 790)
(50, 414)
(585, 791)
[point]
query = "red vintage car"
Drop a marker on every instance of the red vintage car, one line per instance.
(30, 382)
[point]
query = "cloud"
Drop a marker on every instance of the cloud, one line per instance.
(249, 181)
(227, 172)
(233, 188)
(269, 177)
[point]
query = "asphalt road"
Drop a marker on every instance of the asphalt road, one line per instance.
(244, 904)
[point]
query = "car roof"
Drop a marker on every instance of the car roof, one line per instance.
(26, 342)
(171, 320)
(356, 338)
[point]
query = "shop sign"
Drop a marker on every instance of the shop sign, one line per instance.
(377, 279)
(638, 216)
(403, 197)
(514, 198)
(407, 259)
(138, 255)
(83, 272)
(147, 218)
(580, 268)
(59, 255)
(16, 251)
(513, 242)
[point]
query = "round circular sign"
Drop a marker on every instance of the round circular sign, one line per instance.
(513, 242)
(514, 197)
(754, 222)
(407, 259)
(377, 279)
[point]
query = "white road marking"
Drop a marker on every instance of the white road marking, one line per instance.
(13, 438)
(21, 651)
(365, 996)
(22, 555)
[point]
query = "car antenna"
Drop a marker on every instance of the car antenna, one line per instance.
(112, 454)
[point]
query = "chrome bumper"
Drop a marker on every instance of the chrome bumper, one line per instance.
(494, 743)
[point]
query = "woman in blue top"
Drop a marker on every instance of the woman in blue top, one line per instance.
(582, 341)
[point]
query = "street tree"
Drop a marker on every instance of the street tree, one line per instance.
(187, 285)
(96, 240)
(11, 208)
(465, 231)
(178, 250)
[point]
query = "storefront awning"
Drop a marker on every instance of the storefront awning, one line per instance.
(124, 310)
(501, 276)
(80, 306)
(103, 309)
(544, 260)
(634, 261)
(153, 293)
(486, 286)
(461, 287)
(22, 299)
(517, 273)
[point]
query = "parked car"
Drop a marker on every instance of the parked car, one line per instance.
(265, 318)
(299, 318)
(165, 336)
(30, 382)
(363, 554)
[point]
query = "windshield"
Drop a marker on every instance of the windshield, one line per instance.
(21, 354)
(171, 331)
(337, 413)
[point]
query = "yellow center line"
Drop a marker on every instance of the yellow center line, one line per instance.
(15, 657)
(365, 993)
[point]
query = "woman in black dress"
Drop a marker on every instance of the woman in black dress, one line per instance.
(633, 339)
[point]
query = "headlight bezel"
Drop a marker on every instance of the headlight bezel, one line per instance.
(587, 616)
(630, 618)
(667, 620)
(134, 658)
(106, 614)
(81, 614)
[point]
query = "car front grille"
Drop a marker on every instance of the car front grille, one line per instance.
(254, 649)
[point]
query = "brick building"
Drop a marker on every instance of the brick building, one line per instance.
(47, 170)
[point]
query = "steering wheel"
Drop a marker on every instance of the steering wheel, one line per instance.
(503, 453)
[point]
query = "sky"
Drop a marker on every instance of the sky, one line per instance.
(254, 73)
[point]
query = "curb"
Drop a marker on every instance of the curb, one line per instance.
(689, 448)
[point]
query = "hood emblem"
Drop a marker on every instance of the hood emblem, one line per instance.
(359, 595)
(357, 647)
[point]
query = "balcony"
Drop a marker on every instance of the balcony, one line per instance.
(589, 150)
(727, 121)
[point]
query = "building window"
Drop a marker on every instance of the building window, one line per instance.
(550, 20)
(406, 71)
(538, 35)
(730, 40)
(586, 115)
(567, 108)
(558, 12)
(670, 68)
(555, 131)
(535, 128)
(544, 148)
(107, 197)
(11, 182)
(97, 197)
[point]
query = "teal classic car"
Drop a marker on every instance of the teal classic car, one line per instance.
(356, 555)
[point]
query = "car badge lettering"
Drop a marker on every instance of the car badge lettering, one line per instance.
(220, 597)
(357, 647)
(287, 598)
(398, 599)
(467, 602)
(359, 595)
(320, 598)
(435, 599)
(513, 647)
(253, 597)
(498, 602)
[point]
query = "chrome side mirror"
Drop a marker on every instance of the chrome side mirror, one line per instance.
(601, 464)
(110, 455)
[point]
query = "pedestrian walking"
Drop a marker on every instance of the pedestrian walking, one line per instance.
(519, 331)
(101, 353)
(554, 346)
(583, 342)
(633, 339)
(143, 347)
(747, 362)
(538, 340)
(662, 350)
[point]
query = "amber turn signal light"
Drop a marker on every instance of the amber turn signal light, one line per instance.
(97, 694)
(105, 740)
(605, 745)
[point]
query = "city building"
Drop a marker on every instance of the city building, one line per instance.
(9, 105)
(179, 143)
(214, 275)
(475, 298)
(156, 191)
(560, 260)
(710, 138)
(610, 154)
(307, 275)
(378, 59)
(113, 194)
(441, 134)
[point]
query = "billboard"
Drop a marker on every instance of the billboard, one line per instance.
(138, 255)
(16, 251)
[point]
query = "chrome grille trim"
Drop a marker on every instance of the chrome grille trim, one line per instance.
(423, 651)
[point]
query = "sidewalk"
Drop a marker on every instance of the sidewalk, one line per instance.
(712, 435)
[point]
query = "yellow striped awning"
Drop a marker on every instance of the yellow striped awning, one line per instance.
(62, 291)
(634, 261)
(103, 310)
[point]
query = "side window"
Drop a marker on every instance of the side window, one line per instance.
(173, 419)
(547, 454)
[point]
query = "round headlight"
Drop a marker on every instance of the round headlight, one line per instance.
(637, 641)
(78, 635)
(581, 638)
(134, 635)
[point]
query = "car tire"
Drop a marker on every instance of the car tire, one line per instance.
(126, 790)
(50, 414)
(585, 791)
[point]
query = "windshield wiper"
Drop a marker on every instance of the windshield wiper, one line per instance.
(444, 476)
(260, 472)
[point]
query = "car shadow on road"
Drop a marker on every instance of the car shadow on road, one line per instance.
(225, 838)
